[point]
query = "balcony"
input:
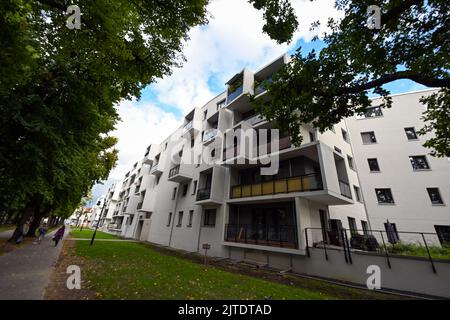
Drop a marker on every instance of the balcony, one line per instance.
(148, 160)
(345, 189)
(254, 120)
(203, 194)
(283, 236)
(179, 174)
(139, 205)
(188, 127)
(209, 135)
(309, 182)
(156, 169)
(235, 92)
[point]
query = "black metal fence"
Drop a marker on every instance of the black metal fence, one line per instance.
(260, 234)
(386, 243)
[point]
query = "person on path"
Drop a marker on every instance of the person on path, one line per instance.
(59, 234)
(41, 233)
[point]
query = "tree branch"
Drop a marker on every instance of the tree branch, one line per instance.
(422, 79)
(397, 11)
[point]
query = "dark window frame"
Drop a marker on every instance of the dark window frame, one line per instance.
(388, 196)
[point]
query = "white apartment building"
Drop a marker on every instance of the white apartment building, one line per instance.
(400, 181)
(109, 207)
(204, 184)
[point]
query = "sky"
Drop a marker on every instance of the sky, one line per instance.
(233, 39)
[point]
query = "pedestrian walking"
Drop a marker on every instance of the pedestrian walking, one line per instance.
(41, 233)
(59, 234)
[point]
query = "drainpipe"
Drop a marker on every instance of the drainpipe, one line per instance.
(173, 214)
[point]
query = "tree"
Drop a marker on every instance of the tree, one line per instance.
(323, 88)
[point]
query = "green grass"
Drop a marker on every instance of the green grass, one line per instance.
(418, 250)
(5, 228)
(125, 270)
(87, 233)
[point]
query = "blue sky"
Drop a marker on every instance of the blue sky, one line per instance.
(231, 41)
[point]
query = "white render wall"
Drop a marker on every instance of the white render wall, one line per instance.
(413, 210)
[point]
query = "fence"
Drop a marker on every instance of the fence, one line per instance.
(381, 242)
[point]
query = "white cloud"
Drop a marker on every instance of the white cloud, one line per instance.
(232, 40)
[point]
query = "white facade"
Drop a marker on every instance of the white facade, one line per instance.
(410, 208)
(229, 204)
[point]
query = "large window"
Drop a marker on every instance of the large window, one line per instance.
(180, 218)
(357, 193)
(373, 165)
(384, 195)
(194, 189)
(435, 196)
(371, 112)
(411, 133)
(368, 137)
(352, 225)
(169, 219)
(191, 218)
(443, 233)
(344, 135)
(209, 219)
(419, 162)
(365, 227)
(391, 232)
(351, 165)
(185, 189)
(174, 193)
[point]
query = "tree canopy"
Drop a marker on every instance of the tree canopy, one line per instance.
(324, 87)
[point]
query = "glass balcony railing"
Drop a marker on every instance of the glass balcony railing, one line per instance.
(345, 189)
(203, 194)
(188, 126)
(309, 182)
(234, 94)
(209, 135)
(255, 119)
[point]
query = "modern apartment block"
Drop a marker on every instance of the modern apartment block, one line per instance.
(208, 184)
(109, 206)
(400, 181)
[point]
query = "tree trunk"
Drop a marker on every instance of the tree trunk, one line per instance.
(38, 215)
(27, 213)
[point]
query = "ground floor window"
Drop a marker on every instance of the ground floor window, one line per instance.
(443, 233)
(391, 231)
(209, 218)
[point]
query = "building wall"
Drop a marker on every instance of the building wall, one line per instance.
(413, 210)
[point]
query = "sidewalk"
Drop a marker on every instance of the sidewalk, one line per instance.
(24, 272)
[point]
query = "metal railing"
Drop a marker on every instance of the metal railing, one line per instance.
(203, 194)
(381, 242)
(308, 182)
(174, 171)
(284, 236)
(233, 95)
(345, 189)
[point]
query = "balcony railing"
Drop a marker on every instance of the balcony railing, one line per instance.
(203, 194)
(155, 166)
(255, 119)
(233, 95)
(188, 126)
(284, 236)
(283, 143)
(345, 189)
(309, 182)
(209, 135)
(174, 171)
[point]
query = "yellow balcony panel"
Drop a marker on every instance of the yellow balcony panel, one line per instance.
(295, 184)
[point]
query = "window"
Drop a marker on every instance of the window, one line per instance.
(205, 114)
(185, 189)
(312, 136)
(411, 133)
(337, 149)
(435, 196)
(213, 153)
(210, 218)
(194, 190)
(384, 196)
(192, 142)
(169, 220)
(373, 165)
(344, 135)
(419, 162)
(350, 162)
(368, 137)
(357, 193)
(221, 104)
(180, 218)
(352, 225)
(174, 193)
(443, 233)
(165, 146)
(365, 227)
(392, 233)
(371, 112)
(191, 217)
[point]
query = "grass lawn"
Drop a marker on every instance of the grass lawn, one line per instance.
(87, 233)
(5, 228)
(127, 270)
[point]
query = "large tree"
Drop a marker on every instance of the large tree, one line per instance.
(324, 87)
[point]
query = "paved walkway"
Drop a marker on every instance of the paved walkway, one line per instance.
(25, 272)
